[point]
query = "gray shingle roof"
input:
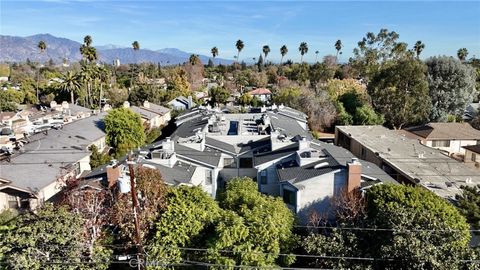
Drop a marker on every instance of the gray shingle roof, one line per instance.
(144, 113)
(47, 157)
(284, 152)
(180, 173)
(287, 125)
(446, 131)
(208, 156)
(298, 174)
(158, 109)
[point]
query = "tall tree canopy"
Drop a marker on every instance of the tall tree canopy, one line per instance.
(452, 86)
(400, 92)
(420, 231)
(303, 49)
(374, 50)
(44, 239)
(245, 228)
(124, 130)
(283, 52)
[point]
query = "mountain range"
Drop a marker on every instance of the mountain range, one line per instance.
(19, 49)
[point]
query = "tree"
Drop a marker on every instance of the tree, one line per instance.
(124, 130)
(71, 84)
(419, 231)
(451, 86)
(45, 239)
(189, 212)
(365, 115)
(287, 96)
(265, 50)
(303, 49)
(152, 193)
(97, 158)
(283, 52)
(418, 48)
(337, 88)
(194, 59)
(400, 92)
(214, 52)
(462, 54)
(244, 228)
(338, 48)
(245, 99)
(239, 46)
(469, 204)
(42, 46)
(373, 51)
(87, 40)
(218, 95)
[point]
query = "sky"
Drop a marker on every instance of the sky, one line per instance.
(197, 26)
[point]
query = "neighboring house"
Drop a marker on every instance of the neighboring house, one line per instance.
(182, 103)
(407, 160)
(449, 137)
(472, 110)
(42, 164)
(309, 173)
(262, 94)
(472, 155)
(152, 115)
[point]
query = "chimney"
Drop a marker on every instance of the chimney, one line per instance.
(113, 173)
(65, 105)
(146, 104)
(354, 169)
(190, 102)
(303, 143)
(126, 104)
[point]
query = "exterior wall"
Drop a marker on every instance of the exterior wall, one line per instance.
(455, 146)
(3, 201)
(471, 157)
(85, 164)
(273, 185)
(316, 193)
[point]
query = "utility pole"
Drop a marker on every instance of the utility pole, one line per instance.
(136, 210)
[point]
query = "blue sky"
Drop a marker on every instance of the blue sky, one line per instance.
(198, 26)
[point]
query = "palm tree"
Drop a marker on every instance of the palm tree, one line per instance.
(303, 49)
(87, 40)
(283, 52)
(194, 59)
(70, 84)
(214, 54)
(338, 47)
(418, 48)
(87, 75)
(42, 46)
(240, 47)
(462, 54)
(135, 47)
(266, 50)
(316, 56)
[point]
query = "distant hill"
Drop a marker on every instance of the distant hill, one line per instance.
(19, 49)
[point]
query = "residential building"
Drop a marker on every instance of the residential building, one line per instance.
(448, 137)
(262, 94)
(152, 115)
(271, 145)
(182, 103)
(472, 155)
(39, 167)
(406, 159)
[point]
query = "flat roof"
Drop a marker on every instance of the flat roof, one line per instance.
(423, 165)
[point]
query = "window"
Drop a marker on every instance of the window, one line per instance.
(229, 163)
(289, 197)
(444, 143)
(364, 153)
(474, 157)
(246, 163)
(12, 202)
(208, 177)
(263, 177)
